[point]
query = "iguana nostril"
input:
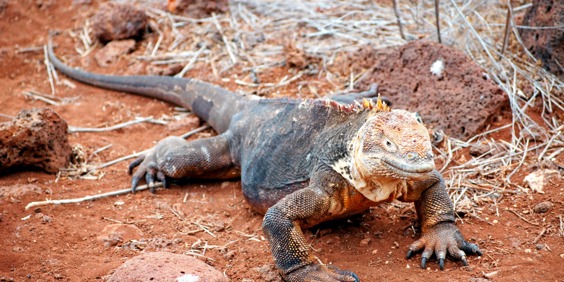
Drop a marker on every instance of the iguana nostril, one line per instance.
(410, 156)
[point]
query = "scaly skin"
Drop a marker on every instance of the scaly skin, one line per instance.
(301, 163)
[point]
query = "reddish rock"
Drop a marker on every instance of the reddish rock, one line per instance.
(114, 234)
(35, 138)
(118, 21)
(297, 57)
(546, 44)
(163, 266)
(198, 8)
(166, 70)
(3, 5)
(110, 53)
(19, 190)
(448, 89)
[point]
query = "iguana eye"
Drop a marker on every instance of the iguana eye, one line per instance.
(418, 118)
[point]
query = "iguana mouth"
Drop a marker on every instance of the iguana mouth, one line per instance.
(409, 169)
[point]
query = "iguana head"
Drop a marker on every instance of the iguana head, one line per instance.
(392, 145)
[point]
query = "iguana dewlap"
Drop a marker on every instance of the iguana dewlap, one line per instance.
(300, 163)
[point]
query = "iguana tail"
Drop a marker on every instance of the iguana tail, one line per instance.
(212, 103)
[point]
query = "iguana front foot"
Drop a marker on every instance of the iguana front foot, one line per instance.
(148, 169)
(440, 240)
(158, 163)
(174, 157)
(320, 273)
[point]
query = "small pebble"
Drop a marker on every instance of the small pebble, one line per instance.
(229, 255)
(45, 219)
(542, 207)
(490, 275)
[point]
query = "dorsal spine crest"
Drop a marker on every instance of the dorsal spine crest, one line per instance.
(356, 107)
(381, 105)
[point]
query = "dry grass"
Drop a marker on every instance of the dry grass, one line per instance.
(238, 45)
(478, 28)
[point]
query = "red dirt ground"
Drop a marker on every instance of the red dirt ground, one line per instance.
(60, 242)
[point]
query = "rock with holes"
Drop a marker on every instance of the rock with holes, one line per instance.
(118, 21)
(111, 53)
(545, 37)
(34, 139)
(448, 89)
(166, 267)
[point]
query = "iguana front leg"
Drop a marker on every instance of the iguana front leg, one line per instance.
(174, 157)
(282, 227)
(440, 236)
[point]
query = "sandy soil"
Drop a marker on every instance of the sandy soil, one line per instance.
(60, 242)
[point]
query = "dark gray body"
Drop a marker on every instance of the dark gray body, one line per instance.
(277, 146)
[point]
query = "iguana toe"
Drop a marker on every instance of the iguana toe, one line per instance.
(440, 240)
(146, 169)
(135, 164)
(162, 178)
(471, 248)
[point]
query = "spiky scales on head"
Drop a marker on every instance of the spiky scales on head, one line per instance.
(356, 107)
(364, 105)
(329, 103)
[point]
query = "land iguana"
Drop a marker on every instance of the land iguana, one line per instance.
(301, 162)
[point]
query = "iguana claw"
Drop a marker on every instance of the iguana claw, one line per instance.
(423, 262)
(439, 240)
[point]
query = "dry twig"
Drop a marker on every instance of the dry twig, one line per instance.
(522, 218)
(89, 198)
(541, 233)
